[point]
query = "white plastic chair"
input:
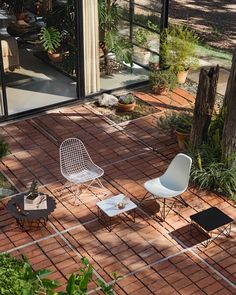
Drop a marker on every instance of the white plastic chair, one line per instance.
(77, 166)
(172, 183)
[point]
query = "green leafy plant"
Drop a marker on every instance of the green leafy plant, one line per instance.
(78, 283)
(141, 37)
(33, 191)
(50, 39)
(127, 99)
(214, 176)
(209, 171)
(4, 148)
(178, 48)
(109, 18)
(179, 121)
(164, 79)
(18, 278)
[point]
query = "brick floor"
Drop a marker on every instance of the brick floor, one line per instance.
(153, 257)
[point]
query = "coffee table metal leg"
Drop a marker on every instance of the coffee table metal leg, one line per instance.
(134, 215)
(195, 225)
(105, 220)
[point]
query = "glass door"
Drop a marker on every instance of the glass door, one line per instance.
(3, 100)
(39, 57)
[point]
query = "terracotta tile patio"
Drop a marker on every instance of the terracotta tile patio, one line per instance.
(153, 257)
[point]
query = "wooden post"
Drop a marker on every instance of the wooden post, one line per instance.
(204, 105)
(229, 130)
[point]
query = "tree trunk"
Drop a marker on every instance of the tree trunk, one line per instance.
(204, 105)
(229, 130)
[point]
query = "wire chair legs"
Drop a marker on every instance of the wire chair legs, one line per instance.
(165, 209)
(81, 191)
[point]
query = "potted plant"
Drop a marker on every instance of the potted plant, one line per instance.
(154, 62)
(179, 123)
(33, 194)
(178, 50)
(116, 48)
(162, 81)
(51, 41)
(126, 103)
(140, 54)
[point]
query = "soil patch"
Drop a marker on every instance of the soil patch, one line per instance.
(141, 109)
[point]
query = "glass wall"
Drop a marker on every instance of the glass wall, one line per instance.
(56, 45)
(39, 53)
(128, 41)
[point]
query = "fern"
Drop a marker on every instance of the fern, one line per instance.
(50, 39)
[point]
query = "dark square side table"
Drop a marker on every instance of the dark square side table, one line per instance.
(212, 219)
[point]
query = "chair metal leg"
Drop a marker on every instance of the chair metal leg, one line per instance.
(146, 196)
(182, 201)
(163, 213)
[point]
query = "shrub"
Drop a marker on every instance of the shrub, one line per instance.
(18, 278)
(178, 48)
(163, 79)
(179, 121)
(4, 148)
(208, 170)
(127, 99)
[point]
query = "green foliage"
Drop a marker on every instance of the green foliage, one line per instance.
(216, 177)
(163, 78)
(119, 45)
(4, 148)
(178, 48)
(141, 37)
(127, 99)
(179, 121)
(108, 22)
(208, 170)
(108, 288)
(50, 39)
(78, 283)
(18, 278)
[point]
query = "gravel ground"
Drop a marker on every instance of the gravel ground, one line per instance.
(191, 87)
(214, 21)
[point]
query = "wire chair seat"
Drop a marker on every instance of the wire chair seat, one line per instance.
(84, 176)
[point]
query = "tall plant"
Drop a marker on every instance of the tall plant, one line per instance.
(109, 34)
(178, 48)
(4, 148)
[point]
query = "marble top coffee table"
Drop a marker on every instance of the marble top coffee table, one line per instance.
(108, 209)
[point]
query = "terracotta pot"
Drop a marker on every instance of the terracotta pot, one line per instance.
(126, 107)
(21, 15)
(182, 139)
(55, 56)
(154, 66)
(182, 76)
(159, 89)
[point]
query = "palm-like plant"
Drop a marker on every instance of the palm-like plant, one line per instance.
(50, 39)
(109, 34)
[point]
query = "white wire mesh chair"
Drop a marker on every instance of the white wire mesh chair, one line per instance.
(171, 184)
(77, 166)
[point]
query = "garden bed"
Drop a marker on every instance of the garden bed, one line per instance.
(6, 188)
(141, 109)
